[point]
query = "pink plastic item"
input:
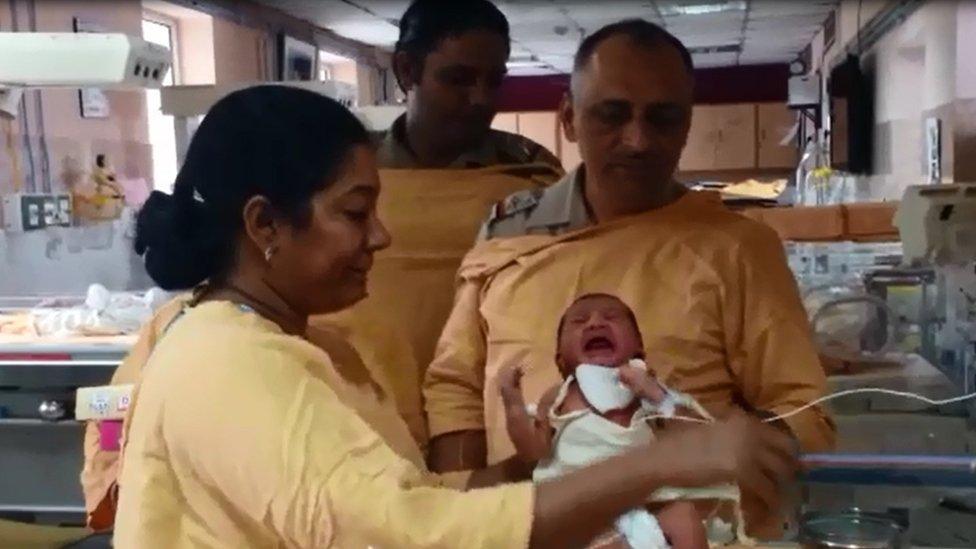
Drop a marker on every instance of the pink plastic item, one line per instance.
(109, 434)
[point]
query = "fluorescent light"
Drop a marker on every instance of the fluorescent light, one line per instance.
(725, 48)
(702, 9)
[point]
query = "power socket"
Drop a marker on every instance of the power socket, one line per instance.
(32, 212)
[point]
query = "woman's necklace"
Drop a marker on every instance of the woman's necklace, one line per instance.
(288, 321)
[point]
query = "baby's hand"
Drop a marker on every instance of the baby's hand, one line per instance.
(642, 383)
(530, 443)
(510, 386)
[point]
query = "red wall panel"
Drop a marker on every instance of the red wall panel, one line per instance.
(742, 84)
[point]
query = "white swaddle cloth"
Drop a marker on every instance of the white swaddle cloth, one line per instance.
(584, 437)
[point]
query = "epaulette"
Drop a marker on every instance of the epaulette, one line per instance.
(515, 203)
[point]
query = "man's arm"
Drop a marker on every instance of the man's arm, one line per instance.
(454, 389)
(772, 352)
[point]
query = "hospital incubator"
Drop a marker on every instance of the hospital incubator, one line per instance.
(49, 348)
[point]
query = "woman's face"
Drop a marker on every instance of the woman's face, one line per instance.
(323, 267)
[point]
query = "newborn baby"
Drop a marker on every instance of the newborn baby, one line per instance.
(601, 409)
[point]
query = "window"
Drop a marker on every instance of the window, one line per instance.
(336, 67)
(159, 29)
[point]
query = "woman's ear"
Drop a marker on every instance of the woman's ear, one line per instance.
(261, 224)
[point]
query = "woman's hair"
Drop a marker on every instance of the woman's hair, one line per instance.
(282, 143)
(427, 22)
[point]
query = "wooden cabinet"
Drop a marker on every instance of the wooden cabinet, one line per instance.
(541, 127)
(506, 122)
(569, 152)
(775, 123)
(722, 137)
(724, 140)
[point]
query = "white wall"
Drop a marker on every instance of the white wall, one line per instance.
(922, 68)
(65, 261)
(966, 42)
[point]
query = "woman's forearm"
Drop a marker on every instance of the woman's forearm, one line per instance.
(574, 509)
(459, 451)
(513, 469)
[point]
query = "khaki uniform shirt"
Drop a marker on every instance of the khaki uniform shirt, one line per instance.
(717, 305)
(498, 148)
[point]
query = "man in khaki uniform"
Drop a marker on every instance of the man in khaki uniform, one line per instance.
(450, 63)
(442, 167)
(718, 306)
(498, 148)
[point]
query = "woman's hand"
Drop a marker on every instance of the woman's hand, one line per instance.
(758, 457)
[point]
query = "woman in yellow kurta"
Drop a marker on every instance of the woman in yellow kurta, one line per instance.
(241, 433)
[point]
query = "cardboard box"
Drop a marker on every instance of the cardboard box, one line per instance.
(871, 221)
(859, 222)
(807, 224)
(103, 403)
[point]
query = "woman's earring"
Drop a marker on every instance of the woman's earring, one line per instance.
(269, 253)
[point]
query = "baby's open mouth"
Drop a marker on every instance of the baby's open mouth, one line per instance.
(598, 343)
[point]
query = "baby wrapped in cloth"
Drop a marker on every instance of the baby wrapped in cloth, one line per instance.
(604, 408)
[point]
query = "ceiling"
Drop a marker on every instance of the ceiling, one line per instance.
(545, 33)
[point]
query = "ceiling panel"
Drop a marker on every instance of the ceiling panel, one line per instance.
(778, 7)
(715, 60)
(774, 30)
(378, 34)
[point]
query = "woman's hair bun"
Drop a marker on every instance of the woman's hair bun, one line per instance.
(282, 143)
(179, 249)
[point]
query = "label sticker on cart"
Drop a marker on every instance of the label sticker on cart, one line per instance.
(124, 401)
(99, 403)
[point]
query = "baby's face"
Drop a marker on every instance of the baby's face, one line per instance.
(598, 330)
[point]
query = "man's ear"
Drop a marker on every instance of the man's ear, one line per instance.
(407, 70)
(566, 113)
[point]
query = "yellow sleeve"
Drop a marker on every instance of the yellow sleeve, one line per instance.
(296, 460)
(772, 352)
(100, 470)
(454, 382)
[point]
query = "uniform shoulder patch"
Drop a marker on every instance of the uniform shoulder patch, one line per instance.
(515, 203)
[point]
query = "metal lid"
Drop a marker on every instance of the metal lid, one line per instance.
(851, 529)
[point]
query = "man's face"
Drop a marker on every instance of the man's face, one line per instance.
(597, 330)
(630, 112)
(456, 88)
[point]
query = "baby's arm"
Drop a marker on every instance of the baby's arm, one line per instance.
(531, 436)
(644, 384)
(682, 525)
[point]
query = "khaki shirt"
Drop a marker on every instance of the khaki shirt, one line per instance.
(717, 305)
(553, 210)
(498, 148)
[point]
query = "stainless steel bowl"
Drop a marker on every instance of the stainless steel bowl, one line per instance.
(851, 529)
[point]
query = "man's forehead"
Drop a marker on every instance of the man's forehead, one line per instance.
(476, 49)
(620, 69)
